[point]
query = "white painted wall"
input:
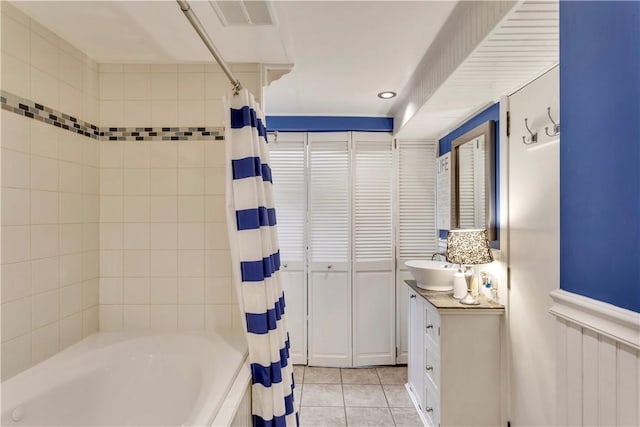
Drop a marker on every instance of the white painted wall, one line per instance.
(534, 259)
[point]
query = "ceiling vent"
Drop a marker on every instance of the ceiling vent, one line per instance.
(243, 13)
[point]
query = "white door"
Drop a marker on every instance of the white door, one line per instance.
(373, 256)
(416, 235)
(288, 165)
(330, 342)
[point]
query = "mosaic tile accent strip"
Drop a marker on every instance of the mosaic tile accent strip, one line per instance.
(33, 110)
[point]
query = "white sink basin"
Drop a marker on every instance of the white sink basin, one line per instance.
(432, 275)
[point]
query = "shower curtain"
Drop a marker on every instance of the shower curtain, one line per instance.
(255, 257)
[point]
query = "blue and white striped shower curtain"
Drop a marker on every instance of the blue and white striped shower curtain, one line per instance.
(255, 255)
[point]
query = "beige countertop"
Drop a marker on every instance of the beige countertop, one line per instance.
(445, 300)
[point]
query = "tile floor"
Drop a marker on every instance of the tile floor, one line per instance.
(362, 397)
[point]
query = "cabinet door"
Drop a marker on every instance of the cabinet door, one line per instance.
(415, 368)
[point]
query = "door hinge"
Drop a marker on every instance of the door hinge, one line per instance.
(395, 143)
(508, 423)
(438, 330)
(508, 123)
(396, 353)
(508, 278)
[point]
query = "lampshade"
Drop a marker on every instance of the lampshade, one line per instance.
(468, 247)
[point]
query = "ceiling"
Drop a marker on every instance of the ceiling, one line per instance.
(343, 52)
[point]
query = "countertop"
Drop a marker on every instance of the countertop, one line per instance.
(445, 300)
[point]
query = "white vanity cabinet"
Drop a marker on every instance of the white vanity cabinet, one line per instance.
(454, 366)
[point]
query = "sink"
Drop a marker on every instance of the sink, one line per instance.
(432, 275)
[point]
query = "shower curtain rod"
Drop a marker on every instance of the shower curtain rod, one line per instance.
(197, 25)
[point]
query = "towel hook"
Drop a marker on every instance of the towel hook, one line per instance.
(534, 136)
(556, 126)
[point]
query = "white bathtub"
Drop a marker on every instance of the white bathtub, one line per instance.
(133, 379)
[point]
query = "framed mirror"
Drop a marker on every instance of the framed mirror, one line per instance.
(473, 193)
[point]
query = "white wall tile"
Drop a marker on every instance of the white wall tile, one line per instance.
(90, 265)
(218, 317)
(70, 177)
(136, 290)
(44, 55)
(111, 86)
(45, 274)
(191, 263)
(215, 154)
(163, 290)
(71, 300)
(163, 263)
(44, 308)
(191, 208)
(15, 131)
(90, 319)
(16, 281)
(70, 100)
(70, 146)
(70, 269)
(15, 38)
(111, 236)
(44, 173)
(191, 290)
(44, 140)
(191, 113)
(218, 263)
(136, 181)
(216, 235)
(71, 70)
(90, 180)
(15, 169)
(191, 68)
(163, 235)
(190, 317)
(214, 112)
(110, 68)
(164, 113)
(136, 263)
(110, 318)
(111, 155)
(215, 179)
(164, 68)
(136, 317)
(164, 154)
(191, 153)
(44, 241)
(137, 113)
(110, 263)
(90, 293)
(136, 235)
(71, 236)
(136, 208)
(111, 208)
(163, 181)
(137, 68)
(215, 208)
(163, 208)
(41, 30)
(16, 76)
(16, 354)
(16, 318)
(70, 330)
(164, 86)
(136, 155)
(111, 182)
(191, 86)
(111, 113)
(44, 342)
(137, 85)
(216, 86)
(16, 243)
(110, 291)
(44, 89)
(71, 208)
(191, 235)
(44, 207)
(218, 290)
(163, 317)
(15, 206)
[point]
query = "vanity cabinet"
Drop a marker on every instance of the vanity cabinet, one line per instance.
(454, 360)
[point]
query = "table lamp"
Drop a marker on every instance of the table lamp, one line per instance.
(468, 247)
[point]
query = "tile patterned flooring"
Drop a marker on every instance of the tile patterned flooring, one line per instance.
(359, 397)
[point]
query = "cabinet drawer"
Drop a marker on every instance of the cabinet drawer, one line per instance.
(431, 403)
(432, 362)
(432, 323)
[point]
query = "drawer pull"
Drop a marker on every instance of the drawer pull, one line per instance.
(429, 409)
(429, 368)
(429, 326)
(412, 296)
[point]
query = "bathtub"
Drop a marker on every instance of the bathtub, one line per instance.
(134, 379)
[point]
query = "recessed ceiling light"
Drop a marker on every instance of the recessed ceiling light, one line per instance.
(387, 94)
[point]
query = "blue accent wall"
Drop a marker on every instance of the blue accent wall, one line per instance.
(600, 151)
(444, 146)
(329, 124)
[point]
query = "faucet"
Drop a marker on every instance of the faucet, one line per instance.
(442, 254)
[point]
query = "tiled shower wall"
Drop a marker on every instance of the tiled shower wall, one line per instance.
(50, 185)
(120, 226)
(164, 258)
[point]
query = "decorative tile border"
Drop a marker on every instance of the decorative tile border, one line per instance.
(33, 110)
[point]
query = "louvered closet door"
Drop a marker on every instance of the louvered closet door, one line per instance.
(330, 341)
(416, 234)
(373, 255)
(288, 162)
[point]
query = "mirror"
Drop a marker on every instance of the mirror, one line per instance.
(474, 180)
